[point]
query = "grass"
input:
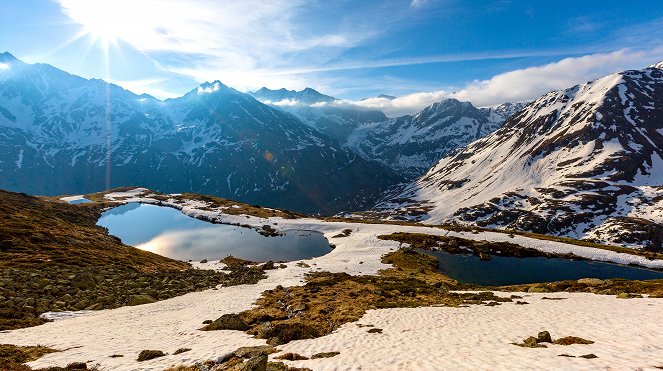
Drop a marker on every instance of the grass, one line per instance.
(329, 300)
(36, 232)
(54, 257)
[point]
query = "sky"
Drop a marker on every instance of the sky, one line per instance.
(486, 52)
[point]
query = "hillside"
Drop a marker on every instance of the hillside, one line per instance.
(65, 134)
(582, 162)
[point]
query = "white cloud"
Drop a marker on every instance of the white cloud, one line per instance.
(4, 66)
(418, 3)
(240, 43)
(521, 84)
(209, 88)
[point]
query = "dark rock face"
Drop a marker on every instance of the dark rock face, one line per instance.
(64, 134)
(584, 162)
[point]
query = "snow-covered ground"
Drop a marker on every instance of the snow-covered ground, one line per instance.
(625, 331)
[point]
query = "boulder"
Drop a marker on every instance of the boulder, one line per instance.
(227, 322)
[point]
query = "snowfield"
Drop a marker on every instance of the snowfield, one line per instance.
(476, 337)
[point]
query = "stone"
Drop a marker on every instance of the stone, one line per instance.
(292, 357)
(589, 356)
(149, 354)
(257, 363)
(325, 355)
(570, 340)
(251, 352)
(227, 322)
(141, 299)
(544, 337)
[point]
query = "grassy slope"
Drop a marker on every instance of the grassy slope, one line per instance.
(36, 232)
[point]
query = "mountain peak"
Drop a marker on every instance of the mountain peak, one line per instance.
(7, 57)
(658, 65)
(305, 96)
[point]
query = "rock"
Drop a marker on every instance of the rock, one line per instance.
(298, 307)
(484, 256)
(325, 355)
(77, 366)
(227, 322)
(375, 331)
(141, 299)
(84, 281)
(267, 266)
(292, 357)
(544, 337)
(203, 261)
(589, 356)
(626, 295)
(531, 342)
(149, 354)
(251, 352)
(181, 350)
(538, 289)
(570, 340)
(257, 363)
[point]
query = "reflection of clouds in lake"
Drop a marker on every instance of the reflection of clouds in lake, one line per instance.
(200, 243)
(219, 241)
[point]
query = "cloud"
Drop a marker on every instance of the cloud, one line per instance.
(529, 83)
(522, 84)
(209, 88)
(418, 3)
(4, 66)
(238, 42)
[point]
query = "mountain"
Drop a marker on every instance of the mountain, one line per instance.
(61, 133)
(408, 145)
(307, 96)
(585, 162)
(411, 144)
(323, 113)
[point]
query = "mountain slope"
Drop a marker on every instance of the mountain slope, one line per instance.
(411, 144)
(64, 134)
(585, 162)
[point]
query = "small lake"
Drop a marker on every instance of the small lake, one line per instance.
(168, 232)
(79, 201)
(500, 270)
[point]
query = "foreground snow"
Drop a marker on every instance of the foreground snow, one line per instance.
(625, 331)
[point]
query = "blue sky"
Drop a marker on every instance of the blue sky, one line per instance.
(421, 50)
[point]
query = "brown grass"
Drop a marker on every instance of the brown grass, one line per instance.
(13, 357)
(328, 300)
(35, 232)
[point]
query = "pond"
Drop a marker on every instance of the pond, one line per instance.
(79, 201)
(168, 232)
(500, 270)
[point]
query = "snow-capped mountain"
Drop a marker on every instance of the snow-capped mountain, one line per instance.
(321, 112)
(307, 96)
(585, 162)
(411, 144)
(64, 134)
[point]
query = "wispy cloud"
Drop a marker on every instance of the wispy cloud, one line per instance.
(238, 42)
(521, 84)
(418, 3)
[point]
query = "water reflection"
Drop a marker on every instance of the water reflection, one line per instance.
(170, 233)
(500, 270)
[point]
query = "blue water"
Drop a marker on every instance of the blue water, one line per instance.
(502, 270)
(168, 232)
(79, 201)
